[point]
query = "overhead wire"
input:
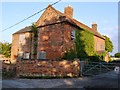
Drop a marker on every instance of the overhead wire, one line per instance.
(29, 17)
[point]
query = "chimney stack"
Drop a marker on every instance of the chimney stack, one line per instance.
(94, 26)
(68, 11)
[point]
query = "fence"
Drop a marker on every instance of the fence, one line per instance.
(94, 68)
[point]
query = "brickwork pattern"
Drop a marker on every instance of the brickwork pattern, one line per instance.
(56, 68)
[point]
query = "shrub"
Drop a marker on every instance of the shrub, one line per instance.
(8, 74)
(117, 55)
(70, 55)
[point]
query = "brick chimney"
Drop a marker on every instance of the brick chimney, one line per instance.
(94, 26)
(68, 11)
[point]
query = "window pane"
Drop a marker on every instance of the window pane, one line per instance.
(73, 35)
(27, 55)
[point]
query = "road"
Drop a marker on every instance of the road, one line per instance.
(106, 80)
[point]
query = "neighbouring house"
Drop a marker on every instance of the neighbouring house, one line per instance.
(56, 34)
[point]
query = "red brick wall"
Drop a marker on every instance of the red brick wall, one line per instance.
(97, 44)
(55, 39)
(64, 67)
(50, 40)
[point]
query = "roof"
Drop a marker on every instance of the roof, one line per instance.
(69, 19)
(79, 24)
(26, 29)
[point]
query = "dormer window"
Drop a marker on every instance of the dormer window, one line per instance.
(73, 35)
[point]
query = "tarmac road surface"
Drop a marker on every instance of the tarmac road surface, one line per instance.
(106, 80)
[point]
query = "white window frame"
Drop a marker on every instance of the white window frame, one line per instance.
(27, 55)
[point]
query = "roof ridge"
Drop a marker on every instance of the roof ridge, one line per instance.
(57, 11)
(25, 29)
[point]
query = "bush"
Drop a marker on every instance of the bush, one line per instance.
(117, 55)
(8, 71)
(70, 55)
(8, 74)
(94, 58)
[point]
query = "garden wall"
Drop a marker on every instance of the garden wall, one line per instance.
(7, 70)
(48, 67)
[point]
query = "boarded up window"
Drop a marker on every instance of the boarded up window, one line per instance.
(42, 55)
(20, 55)
(22, 39)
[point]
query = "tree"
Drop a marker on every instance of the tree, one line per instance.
(117, 55)
(108, 44)
(5, 49)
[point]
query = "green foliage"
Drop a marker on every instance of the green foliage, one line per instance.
(108, 44)
(70, 55)
(100, 57)
(43, 76)
(117, 55)
(84, 43)
(85, 47)
(35, 33)
(8, 74)
(5, 49)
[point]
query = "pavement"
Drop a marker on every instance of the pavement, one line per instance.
(106, 80)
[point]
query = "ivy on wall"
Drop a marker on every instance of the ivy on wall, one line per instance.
(70, 55)
(84, 47)
(99, 57)
(35, 38)
(84, 43)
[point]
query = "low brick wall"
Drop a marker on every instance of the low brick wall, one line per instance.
(8, 67)
(48, 67)
(7, 70)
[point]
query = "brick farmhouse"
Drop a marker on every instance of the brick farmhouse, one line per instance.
(56, 34)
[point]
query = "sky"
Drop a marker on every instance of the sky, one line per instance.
(105, 14)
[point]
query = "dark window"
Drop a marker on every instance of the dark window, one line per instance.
(73, 35)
